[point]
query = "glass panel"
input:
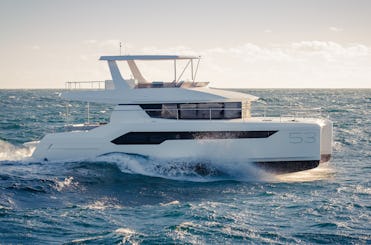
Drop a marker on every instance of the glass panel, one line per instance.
(169, 111)
(203, 111)
(153, 110)
(217, 111)
(188, 111)
(229, 110)
(232, 110)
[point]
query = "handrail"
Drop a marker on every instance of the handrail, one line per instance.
(266, 113)
(85, 85)
(281, 110)
(254, 112)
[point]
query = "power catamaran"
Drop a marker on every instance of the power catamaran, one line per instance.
(187, 119)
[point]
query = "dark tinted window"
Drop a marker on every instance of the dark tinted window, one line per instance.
(228, 110)
(153, 110)
(150, 138)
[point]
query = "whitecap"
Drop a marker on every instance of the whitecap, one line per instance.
(86, 239)
(103, 204)
(125, 231)
(175, 202)
(67, 182)
(362, 190)
(183, 232)
(127, 235)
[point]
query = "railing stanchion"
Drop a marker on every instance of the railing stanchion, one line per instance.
(67, 113)
(88, 113)
(265, 111)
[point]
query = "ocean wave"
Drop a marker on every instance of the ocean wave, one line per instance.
(65, 183)
(127, 235)
(135, 199)
(6, 202)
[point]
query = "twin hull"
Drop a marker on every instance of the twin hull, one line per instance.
(294, 145)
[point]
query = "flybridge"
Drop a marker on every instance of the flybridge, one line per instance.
(139, 90)
(141, 81)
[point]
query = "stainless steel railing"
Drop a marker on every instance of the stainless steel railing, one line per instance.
(86, 85)
(287, 111)
(264, 113)
(267, 112)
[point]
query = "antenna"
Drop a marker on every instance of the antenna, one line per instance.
(120, 48)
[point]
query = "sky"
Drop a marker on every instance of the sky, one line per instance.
(243, 44)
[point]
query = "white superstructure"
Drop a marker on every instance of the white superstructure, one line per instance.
(187, 119)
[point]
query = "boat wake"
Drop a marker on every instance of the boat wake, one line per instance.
(183, 169)
(10, 152)
(188, 169)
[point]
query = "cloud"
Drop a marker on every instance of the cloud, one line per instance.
(83, 57)
(335, 29)
(305, 64)
(91, 41)
(115, 43)
(298, 64)
(35, 47)
(109, 43)
(330, 51)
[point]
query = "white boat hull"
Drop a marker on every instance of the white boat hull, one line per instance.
(295, 145)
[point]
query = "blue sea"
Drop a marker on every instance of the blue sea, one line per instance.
(125, 199)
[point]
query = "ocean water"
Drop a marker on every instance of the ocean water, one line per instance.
(125, 199)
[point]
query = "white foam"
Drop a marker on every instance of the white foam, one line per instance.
(190, 169)
(363, 190)
(126, 163)
(127, 235)
(60, 185)
(358, 189)
(103, 204)
(86, 239)
(9, 152)
(8, 203)
(183, 232)
(175, 202)
(125, 231)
